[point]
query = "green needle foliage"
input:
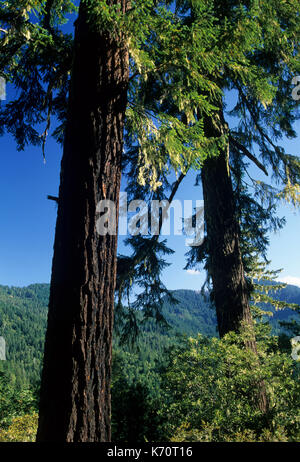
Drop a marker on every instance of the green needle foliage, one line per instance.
(36, 57)
(249, 48)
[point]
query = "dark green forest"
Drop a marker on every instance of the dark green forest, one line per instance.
(155, 377)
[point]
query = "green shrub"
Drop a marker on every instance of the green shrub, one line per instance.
(210, 392)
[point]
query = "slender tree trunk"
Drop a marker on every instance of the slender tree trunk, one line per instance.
(230, 292)
(75, 389)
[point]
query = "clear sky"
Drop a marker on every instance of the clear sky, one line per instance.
(28, 220)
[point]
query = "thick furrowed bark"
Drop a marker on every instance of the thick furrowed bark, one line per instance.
(75, 390)
(225, 263)
(225, 260)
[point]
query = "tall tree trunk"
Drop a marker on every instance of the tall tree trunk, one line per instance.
(225, 259)
(230, 292)
(75, 389)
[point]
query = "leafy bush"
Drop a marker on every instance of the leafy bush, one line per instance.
(18, 411)
(210, 392)
(21, 429)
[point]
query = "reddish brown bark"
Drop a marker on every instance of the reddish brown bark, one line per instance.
(230, 291)
(75, 389)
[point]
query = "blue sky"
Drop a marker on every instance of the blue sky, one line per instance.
(28, 220)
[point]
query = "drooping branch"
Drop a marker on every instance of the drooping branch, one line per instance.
(248, 154)
(137, 259)
(261, 131)
(52, 198)
(171, 197)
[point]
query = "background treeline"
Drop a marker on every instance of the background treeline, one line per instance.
(23, 317)
(162, 379)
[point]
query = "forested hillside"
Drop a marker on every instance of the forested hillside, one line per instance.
(142, 372)
(23, 316)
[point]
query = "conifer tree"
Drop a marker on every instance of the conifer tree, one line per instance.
(262, 77)
(254, 52)
(265, 62)
(86, 83)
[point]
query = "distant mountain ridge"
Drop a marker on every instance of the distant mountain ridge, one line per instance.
(193, 314)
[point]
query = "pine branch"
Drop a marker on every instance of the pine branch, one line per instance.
(261, 131)
(137, 259)
(53, 198)
(172, 195)
(247, 153)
